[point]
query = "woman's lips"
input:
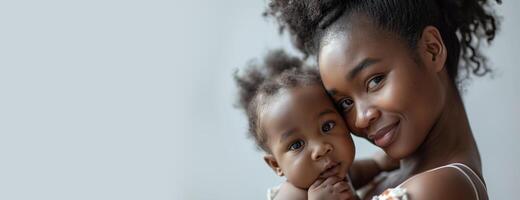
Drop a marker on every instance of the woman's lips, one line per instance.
(384, 137)
(331, 170)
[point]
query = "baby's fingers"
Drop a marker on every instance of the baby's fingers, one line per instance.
(316, 184)
(331, 181)
(343, 189)
(341, 186)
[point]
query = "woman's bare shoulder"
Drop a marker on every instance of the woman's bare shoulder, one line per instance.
(445, 183)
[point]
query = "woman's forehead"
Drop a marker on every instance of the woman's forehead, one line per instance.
(354, 46)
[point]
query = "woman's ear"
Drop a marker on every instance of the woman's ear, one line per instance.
(271, 161)
(432, 49)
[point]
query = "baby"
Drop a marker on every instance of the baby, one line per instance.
(294, 122)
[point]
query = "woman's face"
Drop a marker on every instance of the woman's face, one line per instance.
(385, 95)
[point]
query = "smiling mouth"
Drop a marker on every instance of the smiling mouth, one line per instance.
(331, 170)
(384, 136)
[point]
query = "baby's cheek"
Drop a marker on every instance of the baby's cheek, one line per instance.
(302, 173)
(348, 149)
(352, 150)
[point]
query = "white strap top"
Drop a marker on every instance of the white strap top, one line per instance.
(400, 193)
(458, 166)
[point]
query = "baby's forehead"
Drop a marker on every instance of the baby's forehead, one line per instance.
(295, 105)
(308, 96)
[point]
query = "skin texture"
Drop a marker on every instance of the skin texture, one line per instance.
(306, 135)
(406, 95)
(364, 170)
(406, 88)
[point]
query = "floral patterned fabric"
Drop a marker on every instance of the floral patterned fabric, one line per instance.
(392, 194)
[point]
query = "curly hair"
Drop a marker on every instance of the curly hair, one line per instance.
(462, 24)
(260, 82)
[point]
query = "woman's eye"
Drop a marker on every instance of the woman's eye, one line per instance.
(345, 104)
(328, 126)
(374, 82)
(296, 145)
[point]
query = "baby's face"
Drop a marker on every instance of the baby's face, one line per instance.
(307, 136)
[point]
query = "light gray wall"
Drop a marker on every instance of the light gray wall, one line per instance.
(133, 100)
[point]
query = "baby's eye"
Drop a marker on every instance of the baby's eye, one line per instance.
(329, 125)
(345, 104)
(296, 145)
(374, 82)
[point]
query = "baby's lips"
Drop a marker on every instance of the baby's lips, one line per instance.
(331, 171)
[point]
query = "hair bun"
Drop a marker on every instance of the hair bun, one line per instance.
(273, 65)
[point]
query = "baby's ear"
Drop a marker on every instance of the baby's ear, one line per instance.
(271, 161)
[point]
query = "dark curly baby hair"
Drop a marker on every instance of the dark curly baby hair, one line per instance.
(462, 24)
(260, 82)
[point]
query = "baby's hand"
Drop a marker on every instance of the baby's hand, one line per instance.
(330, 188)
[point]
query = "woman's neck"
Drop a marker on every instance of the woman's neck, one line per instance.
(450, 140)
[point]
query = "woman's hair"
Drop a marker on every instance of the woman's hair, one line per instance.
(462, 24)
(259, 83)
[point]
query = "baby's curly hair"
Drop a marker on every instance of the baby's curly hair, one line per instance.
(462, 24)
(260, 82)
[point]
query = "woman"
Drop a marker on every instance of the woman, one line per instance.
(392, 67)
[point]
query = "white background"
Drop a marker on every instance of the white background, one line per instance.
(133, 100)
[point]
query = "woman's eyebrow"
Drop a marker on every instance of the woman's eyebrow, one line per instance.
(367, 62)
(332, 92)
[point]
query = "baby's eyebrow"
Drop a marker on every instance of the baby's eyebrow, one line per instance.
(326, 111)
(287, 134)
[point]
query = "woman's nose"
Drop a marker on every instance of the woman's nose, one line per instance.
(320, 150)
(365, 116)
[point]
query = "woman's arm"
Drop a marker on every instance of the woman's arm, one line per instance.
(363, 171)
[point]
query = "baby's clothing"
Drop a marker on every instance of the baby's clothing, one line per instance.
(272, 192)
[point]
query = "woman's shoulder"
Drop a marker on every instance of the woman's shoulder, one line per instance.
(443, 183)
